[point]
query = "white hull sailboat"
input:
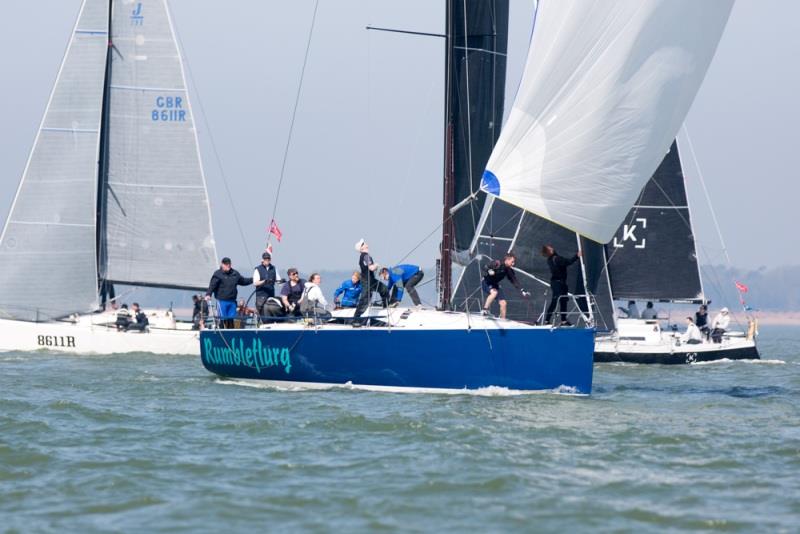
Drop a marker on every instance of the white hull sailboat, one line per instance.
(113, 192)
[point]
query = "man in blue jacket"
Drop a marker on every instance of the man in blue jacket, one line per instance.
(400, 278)
(347, 294)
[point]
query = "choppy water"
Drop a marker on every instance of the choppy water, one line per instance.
(156, 443)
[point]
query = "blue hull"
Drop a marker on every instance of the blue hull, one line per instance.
(521, 359)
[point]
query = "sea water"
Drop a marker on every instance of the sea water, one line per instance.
(141, 442)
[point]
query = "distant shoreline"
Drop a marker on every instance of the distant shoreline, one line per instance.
(785, 318)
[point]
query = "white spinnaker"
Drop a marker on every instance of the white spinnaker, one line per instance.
(48, 255)
(606, 87)
(158, 224)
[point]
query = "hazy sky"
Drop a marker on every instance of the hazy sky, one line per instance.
(366, 157)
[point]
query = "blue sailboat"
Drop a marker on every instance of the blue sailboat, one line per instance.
(572, 64)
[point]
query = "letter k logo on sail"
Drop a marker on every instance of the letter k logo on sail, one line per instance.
(628, 234)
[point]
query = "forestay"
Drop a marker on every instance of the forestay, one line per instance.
(47, 251)
(157, 203)
(601, 100)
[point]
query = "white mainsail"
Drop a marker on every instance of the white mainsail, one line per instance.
(47, 250)
(606, 87)
(158, 224)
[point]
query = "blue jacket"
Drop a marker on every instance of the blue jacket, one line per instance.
(399, 275)
(350, 293)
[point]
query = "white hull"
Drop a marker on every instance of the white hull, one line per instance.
(643, 341)
(95, 334)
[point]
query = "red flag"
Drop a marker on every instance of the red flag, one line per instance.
(274, 230)
(269, 248)
(741, 287)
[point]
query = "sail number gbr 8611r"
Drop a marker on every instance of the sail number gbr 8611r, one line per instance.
(168, 109)
(55, 341)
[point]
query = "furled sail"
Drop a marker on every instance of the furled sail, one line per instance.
(476, 80)
(47, 250)
(157, 220)
(652, 256)
(601, 100)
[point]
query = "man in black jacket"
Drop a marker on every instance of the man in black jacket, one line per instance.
(558, 282)
(223, 286)
(494, 273)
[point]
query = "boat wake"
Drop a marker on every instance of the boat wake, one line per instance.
(489, 391)
(727, 360)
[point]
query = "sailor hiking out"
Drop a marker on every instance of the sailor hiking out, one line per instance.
(370, 283)
(493, 275)
(402, 278)
(558, 283)
(223, 286)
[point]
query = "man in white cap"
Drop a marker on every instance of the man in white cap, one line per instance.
(368, 282)
(719, 325)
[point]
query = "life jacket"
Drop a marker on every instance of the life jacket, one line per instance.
(267, 289)
(123, 316)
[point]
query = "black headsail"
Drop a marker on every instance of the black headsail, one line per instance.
(653, 255)
(477, 41)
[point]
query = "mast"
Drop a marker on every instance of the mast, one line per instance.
(445, 263)
(104, 289)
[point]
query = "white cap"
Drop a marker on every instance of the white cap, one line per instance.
(360, 243)
(724, 310)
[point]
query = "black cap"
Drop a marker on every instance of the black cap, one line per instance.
(226, 260)
(266, 256)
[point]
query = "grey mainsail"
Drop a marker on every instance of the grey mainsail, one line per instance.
(157, 203)
(653, 255)
(47, 250)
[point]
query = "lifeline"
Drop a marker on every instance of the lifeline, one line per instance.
(256, 356)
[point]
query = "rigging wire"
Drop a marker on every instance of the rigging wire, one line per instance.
(212, 142)
(294, 110)
(713, 218)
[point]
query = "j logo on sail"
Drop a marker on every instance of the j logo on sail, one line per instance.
(137, 19)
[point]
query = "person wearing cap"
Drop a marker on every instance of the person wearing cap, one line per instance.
(369, 283)
(223, 286)
(719, 325)
(291, 293)
(264, 278)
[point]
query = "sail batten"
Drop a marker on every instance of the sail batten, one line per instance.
(601, 99)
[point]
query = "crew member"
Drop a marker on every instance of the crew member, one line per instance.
(400, 278)
(558, 282)
(347, 294)
(200, 312)
(632, 311)
(264, 278)
(123, 318)
(140, 319)
(313, 303)
(692, 336)
(368, 281)
(649, 312)
(495, 272)
(701, 319)
(223, 286)
(719, 325)
(292, 292)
